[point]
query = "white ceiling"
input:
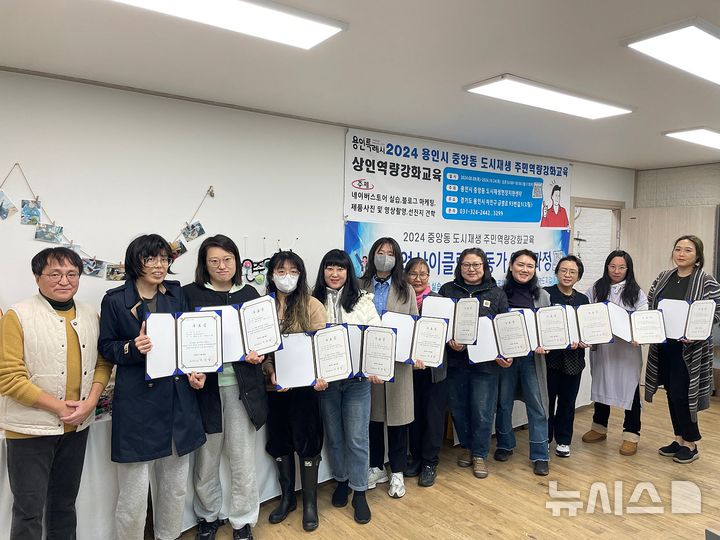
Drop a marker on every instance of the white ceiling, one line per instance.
(401, 67)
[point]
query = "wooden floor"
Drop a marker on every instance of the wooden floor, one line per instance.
(511, 502)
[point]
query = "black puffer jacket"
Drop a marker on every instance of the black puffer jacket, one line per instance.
(249, 376)
(492, 301)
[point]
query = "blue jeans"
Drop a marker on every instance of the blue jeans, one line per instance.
(472, 396)
(345, 410)
(522, 372)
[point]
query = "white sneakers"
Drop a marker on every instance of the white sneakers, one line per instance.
(562, 450)
(397, 485)
(376, 476)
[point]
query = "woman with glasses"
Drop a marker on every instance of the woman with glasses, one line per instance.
(294, 424)
(616, 366)
(233, 403)
(429, 394)
(392, 403)
(345, 405)
(683, 367)
(524, 378)
(564, 367)
(156, 423)
(473, 388)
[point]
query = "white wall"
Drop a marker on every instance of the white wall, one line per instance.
(680, 186)
(110, 165)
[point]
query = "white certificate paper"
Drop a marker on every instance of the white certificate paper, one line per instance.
(442, 308)
(512, 335)
(464, 330)
(232, 343)
(675, 316)
(594, 324)
(161, 361)
(573, 331)
(295, 363)
(199, 342)
(260, 325)
(552, 328)
(405, 325)
(620, 322)
(485, 350)
(378, 352)
(647, 326)
(428, 344)
(355, 333)
(332, 353)
(700, 320)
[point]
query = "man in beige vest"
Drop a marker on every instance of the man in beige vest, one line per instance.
(50, 381)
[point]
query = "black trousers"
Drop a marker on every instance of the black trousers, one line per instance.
(674, 376)
(562, 393)
(294, 423)
(44, 474)
(601, 414)
(426, 431)
(397, 446)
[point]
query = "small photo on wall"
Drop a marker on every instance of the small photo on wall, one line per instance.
(94, 267)
(47, 232)
(115, 272)
(193, 231)
(7, 208)
(178, 248)
(30, 212)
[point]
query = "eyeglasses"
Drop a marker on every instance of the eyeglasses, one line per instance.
(474, 266)
(227, 261)
(422, 276)
(56, 277)
(614, 268)
(149, 262)
(283, 272)
(568, 272)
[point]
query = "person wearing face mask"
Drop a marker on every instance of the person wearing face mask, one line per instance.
(565, 367)
(473, 388)
(294, 424)
(524, 378)
(155, 423)
(345, 405)
(683, 367)
(391, 404)
(616, 366)
(233, 403)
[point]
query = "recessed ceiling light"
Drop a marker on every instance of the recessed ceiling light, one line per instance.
(526, 92)
(265, 20)
(693, 46)
(703, 136)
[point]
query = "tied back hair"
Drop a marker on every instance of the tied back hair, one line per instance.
(510, 283)
(396, 274)
(350, 290)
(631, 291)
(297, 302)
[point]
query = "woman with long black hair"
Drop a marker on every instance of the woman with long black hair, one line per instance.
(345, 405)
(391, 404)
(294, 424)
(616, 366)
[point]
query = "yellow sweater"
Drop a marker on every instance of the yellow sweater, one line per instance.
(14, 380)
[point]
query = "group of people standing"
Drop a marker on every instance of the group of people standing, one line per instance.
(52, 372)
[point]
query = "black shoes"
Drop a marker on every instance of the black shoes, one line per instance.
(427, 475)
(503, 455)
(670, 450)
(286, 478)
(340, 495)
(207, 529)
(413, 468)
(362, 510)
(685, 455)
(541, 468)
(243, 534)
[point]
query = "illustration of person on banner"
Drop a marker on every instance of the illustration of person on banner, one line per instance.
(553, 214)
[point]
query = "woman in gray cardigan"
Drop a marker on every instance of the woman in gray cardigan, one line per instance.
(391, 403)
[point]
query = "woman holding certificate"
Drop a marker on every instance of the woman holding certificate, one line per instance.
(616, 366)
(473, 388)
(233, 403)
(345, 405)
(682, 366)
(391, 404)
(294, 424)
(524, 378)
(155, 422)
(565, 366)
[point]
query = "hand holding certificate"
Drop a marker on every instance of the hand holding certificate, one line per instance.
(689, 321)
